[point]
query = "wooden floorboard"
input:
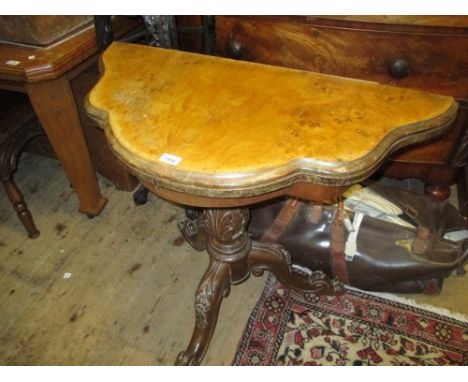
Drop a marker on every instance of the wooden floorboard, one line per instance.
(129, 298)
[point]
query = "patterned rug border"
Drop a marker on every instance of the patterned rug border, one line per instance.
(411, 302)
(249, 326)
(402, 304)
(392, 300)
(382, 300)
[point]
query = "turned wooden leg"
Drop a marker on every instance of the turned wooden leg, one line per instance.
(437, 191)
(439, 179)
(55, 107)
(20, 207)
(10, 150)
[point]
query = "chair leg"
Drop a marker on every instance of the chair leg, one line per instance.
(10, 150)
(20, 207)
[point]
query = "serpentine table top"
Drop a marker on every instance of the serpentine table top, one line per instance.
(219, 129)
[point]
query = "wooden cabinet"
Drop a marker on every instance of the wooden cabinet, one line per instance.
(422, 52)
(431, 60)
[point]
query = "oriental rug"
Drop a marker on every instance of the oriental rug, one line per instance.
(356, 328)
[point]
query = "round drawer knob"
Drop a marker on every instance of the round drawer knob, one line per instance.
(399, 68)
(234, 49)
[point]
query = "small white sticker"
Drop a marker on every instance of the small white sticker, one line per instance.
(32, 57)
(67, 275)
(13, 62)
(173, 160)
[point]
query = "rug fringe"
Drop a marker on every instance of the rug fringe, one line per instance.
(402, 300)
(409, 301)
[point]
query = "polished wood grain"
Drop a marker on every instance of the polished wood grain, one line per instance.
(445, 149)
(238, 125)
(424, 24)
(43, 63)
(437, 61)
(421, 52)
(305, 191)
(40, 29)
(55, 107)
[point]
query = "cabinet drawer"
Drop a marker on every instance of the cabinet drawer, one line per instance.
(431, 61)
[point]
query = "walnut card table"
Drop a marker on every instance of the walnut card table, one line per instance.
(221, 134)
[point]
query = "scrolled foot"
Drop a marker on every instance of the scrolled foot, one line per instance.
(322, 284)
(214, 286)
(184, 359)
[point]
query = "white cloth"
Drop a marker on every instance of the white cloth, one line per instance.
(364, 200)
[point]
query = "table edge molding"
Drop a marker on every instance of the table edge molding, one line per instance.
(301, 170)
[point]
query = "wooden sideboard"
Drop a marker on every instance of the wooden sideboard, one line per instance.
(421, 52)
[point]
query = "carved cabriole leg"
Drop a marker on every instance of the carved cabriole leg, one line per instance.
(233, 256)
(213, 287)
(266, 257)
(274, 258)
(228, 245)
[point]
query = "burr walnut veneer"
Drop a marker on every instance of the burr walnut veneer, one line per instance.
(217, 133)
(421, 52)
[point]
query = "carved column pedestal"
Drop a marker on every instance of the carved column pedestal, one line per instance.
(222, 232)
